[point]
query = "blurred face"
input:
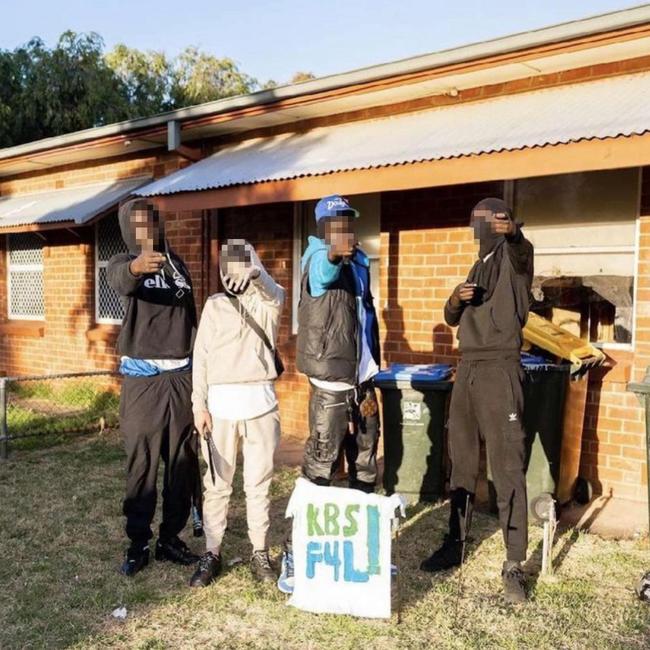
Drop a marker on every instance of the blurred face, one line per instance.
(236, 259)
(483, 222)
(339, 233)
(145, 228)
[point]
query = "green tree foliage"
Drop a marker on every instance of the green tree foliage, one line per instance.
(145, 78)
(46, 92)
(77, 85)
(199, 77)
(302, 76)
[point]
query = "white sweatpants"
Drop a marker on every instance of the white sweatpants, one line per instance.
(259, 437)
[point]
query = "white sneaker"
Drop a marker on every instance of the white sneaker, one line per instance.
(286, 580)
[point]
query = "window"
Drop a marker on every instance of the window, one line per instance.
(367, 231)
(25, 276)
(583, 227)
(108, 305)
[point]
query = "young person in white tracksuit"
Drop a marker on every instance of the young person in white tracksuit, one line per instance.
(235, 366)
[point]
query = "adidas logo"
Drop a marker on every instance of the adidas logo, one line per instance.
(512, 417)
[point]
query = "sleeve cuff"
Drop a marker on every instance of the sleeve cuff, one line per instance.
(516, 237)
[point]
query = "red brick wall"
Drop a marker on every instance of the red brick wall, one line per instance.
(69, 339)
(154, 165)
(68, 272)
(426, 250)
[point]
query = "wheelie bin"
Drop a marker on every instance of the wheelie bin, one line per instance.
(415, 401)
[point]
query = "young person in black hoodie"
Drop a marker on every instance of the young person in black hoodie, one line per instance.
(490, 308)
(155, 344)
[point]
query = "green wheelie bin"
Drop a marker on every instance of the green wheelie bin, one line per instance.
(415, 400)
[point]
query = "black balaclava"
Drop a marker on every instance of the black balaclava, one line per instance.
(485, 271)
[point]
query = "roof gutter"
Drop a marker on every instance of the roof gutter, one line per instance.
(609, 22)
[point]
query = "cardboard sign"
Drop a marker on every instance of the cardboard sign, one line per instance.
(342, 550)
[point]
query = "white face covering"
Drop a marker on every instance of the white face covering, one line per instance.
(237, 259)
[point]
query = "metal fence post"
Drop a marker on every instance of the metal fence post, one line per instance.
(4, 438)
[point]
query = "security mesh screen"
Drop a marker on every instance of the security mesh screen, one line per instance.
(109, 239)
(109, 243)
(26, 298)
(25, 248)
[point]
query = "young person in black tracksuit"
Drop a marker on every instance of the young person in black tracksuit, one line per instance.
(490, 308)
(155, 344)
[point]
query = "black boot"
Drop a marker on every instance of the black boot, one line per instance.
(137, 558)
(175, 550)
(446, 557)
(209, 567)
(514, 582)
(261, 567)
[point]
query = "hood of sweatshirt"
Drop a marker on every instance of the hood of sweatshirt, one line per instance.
(482, 225)
(128, 229)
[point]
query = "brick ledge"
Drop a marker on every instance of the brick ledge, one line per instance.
(34, 328)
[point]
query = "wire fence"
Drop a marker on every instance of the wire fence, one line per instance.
(46, 405)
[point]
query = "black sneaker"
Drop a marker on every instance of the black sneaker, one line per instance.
(208, 568)
(514, 582)
(175, 550)
(446, 557)
(261, 567)
(137, 558)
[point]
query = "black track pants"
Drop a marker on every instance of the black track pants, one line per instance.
(487, 403)
(330, 414)
(156, 421)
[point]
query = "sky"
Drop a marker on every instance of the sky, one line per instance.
(273, 39)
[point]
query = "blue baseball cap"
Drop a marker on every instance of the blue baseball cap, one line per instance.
(334, 206)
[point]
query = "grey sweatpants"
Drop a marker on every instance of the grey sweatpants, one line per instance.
(259, 438)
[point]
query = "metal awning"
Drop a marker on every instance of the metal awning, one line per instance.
(74, 205)
(594, 110)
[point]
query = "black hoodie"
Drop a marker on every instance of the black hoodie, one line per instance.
(490, 327)
(160, 318)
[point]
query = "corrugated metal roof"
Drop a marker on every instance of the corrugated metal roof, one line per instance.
(593, 110)
(77, 204)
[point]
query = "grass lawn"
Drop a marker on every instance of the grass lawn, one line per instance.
(59, 406)
(61, 540)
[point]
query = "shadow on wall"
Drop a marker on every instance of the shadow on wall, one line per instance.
(397, 347)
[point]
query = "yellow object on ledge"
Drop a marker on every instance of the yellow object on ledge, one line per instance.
(552, 338)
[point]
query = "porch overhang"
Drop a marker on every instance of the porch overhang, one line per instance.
(588, 155)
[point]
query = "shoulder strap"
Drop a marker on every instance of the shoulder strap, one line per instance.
(252, 323)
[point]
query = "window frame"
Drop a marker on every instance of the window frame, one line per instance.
(101, 264)
(633, 249)
(24, 267)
